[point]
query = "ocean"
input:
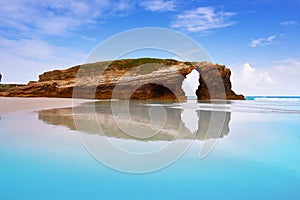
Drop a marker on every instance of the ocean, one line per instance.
(153, 150)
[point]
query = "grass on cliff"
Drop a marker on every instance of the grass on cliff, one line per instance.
(126, 64)
(91, 69)
(6, 87)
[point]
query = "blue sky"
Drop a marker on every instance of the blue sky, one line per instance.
(259, 40)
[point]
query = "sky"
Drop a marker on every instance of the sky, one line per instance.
(258, 40)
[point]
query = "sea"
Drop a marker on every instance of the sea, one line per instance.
(153, 150)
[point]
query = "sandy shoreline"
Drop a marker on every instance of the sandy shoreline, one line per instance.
(15, 104)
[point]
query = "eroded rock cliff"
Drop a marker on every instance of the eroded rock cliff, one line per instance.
(143, 79)
(214, 82)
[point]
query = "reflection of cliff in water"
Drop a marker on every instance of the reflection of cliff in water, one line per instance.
(147, 122)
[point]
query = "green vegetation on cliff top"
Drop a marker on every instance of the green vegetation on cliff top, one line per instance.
(126, 64)
(131, 63)
(6, 87)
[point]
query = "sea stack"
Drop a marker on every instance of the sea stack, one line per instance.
(140, 79)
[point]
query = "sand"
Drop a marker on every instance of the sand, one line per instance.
(14, 104)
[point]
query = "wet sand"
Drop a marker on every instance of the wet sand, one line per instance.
(14, 104)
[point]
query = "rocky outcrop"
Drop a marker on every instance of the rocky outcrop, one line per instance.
(215, 82)
(4, 88)
(142, 79)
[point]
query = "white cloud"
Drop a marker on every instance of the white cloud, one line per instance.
(24, 24)
(23, 60)
(203, 19)
(277, 78)
(33, 49)
(263, 41)
(124, 5)
(251, 81)
(159, 5)
(291, 63)
(249, 76)
(55, 17)
(289, 23)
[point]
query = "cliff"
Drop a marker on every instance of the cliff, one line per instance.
(142, 79)
(214, 82)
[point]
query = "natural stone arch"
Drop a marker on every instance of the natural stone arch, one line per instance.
(153, 91)
(214, 81)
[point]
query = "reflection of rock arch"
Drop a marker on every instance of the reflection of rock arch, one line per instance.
(208, 128)
(220, 122)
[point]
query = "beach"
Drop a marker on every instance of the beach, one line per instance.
(45, 156)
(149, 100)
(13, 104)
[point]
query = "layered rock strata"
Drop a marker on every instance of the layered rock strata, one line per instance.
(214, 82)
(141, 79)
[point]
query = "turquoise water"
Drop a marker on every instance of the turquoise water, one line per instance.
(256, 156)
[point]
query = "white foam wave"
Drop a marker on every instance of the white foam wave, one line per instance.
(277, 99)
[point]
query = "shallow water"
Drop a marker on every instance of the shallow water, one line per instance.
(250, 150)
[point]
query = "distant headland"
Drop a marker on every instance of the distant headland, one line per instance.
(141, 79)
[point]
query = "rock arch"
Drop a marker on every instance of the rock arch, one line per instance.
(214, 82)
(166, 73)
